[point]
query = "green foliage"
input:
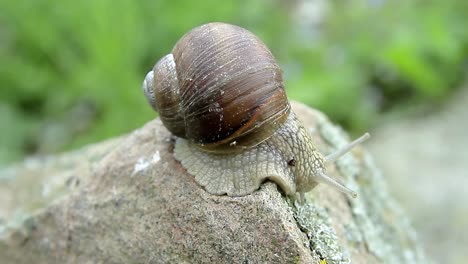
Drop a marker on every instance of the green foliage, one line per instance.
(72, 70)
(61, 58)
(374, 55)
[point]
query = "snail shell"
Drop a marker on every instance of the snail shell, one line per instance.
(221, 93)
(219, 85)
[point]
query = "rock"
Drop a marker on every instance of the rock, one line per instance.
(128, 201)
(425, 154)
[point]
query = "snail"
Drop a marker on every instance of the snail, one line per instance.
(221, 93)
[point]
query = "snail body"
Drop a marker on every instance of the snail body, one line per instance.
(221, 92)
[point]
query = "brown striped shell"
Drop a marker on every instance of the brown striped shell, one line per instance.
(221, 88)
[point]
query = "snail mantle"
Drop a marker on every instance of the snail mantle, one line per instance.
(127, 200)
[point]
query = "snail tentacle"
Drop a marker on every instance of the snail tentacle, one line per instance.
(339, 153)
(323, 178)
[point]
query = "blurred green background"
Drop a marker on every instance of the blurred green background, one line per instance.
(71, 71)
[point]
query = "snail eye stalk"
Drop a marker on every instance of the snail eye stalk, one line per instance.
(339, 153)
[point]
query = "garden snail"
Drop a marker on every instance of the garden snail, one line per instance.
(221, 93)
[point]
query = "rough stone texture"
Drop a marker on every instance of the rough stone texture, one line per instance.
(425, 156)
(128, 201)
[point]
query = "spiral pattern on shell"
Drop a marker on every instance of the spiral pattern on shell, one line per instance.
(220, 88)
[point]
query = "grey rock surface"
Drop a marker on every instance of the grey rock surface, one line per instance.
(425, 157)
(128, 201)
